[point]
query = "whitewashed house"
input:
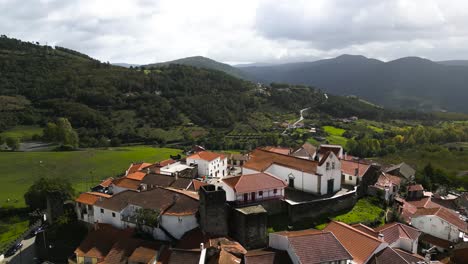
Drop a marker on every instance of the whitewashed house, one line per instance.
(440, 222)
(253, 188)
(210, 164)
(176, 211)
(399, 235)
(353, 171)
(323, 177)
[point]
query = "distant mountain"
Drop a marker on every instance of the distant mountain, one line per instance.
(126, 65)
(454, 62)
(206, 63)
(409, 83)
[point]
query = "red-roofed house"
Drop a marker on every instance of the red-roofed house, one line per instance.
(387, 186)
(252, 188)
(440, 222)
(312, 246)
(209, 163)
(360, 245)
(84, 205)
(310, 176)
(399, 235)
(134, 167)
(353, 171)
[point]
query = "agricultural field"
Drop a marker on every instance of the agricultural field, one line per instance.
(10, 229)
(335, 135)
(83, 168)
(23, 133)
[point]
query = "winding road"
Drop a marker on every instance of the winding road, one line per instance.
(298, 121)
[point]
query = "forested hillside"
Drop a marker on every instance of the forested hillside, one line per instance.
(406, 83)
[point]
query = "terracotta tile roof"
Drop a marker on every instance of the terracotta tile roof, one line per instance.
(445, 214)
(415, 187)
(409, 257)
(304, 232)
(192, 194)
(387, 180)
(359, 244)
(98, 243)
(143, 255)
(159, 180)
(107, 182)
(279, 150)
(254, 182)
(425, 202)
(366, 229)
(197, 184)
(260, 160)
(137, 167)
(323, 149)
(349, 167)
(394, 231)
(181, 183)
(388, 256)
(324, 158)
(206, 155)
(435, 241)
(157, 199)
(267, 256)
(136, 175)
(407, 211)
(318, 248)
(90, 197)
(123, 249)
(225, 257)
(127, 183)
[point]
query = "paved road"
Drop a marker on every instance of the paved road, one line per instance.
(298, 121)
(26, 255)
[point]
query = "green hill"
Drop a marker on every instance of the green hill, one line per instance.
(206, 63)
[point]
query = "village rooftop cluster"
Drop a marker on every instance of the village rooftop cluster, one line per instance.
(214, 208)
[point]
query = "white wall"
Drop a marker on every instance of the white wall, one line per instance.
(214, 168)
(178, 225)
(246, 171)
(435, 226)
(107, 217)
(230, 195)
(303, 181)
(330, 173)
(350, 179)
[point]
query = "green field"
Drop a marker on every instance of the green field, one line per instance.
(335, 135)
(82, 168)
(363, 212)
(22, 132)
(10, 229)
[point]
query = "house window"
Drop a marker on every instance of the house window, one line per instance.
(102, 211)
(328, 166)
(350, 177)
(333, 165)
(113, 214)
(260, 193)
(275, 191)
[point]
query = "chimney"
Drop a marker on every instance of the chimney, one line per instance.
(148, 171)
(202, 246)
(381, 237)
(346, 156)
(176, 175)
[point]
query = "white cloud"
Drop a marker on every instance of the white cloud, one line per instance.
(147, 31)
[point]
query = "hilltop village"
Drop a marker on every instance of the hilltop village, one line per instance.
(210, 207)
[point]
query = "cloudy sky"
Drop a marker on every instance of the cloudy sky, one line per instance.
(242, 31)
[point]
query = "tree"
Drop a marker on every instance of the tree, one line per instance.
(65, 133)
(13, 143)
(36, 196)
(50, 132)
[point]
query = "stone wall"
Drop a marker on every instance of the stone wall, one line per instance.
(319, 208)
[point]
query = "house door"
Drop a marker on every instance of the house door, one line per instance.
(330, 186)
(253, 196)
(246, 197)
(291, 182)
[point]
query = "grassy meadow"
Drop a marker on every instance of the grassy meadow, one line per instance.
(22, 132)
(335, 135)
(83, 168)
